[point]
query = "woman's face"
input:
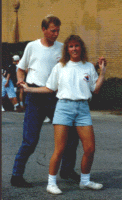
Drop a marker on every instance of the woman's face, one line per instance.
(74, 50)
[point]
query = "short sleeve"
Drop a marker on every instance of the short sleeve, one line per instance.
(9, 69)
(24, 62)
(52, 82)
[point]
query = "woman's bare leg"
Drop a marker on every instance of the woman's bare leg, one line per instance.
(86, 135)
(60, 137)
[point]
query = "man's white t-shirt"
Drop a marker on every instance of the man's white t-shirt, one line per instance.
(39, 60)
(74, 81)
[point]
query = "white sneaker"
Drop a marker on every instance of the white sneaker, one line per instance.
(46, 120)
(91, 185)
(53, 189)
(2, 109)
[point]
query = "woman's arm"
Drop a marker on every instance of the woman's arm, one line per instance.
(35, 89)
(20, 76)
(101, 77)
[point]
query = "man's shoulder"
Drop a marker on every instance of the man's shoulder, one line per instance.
(58, 44)
(31, 43)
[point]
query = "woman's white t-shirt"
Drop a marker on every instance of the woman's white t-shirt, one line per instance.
(74, 81)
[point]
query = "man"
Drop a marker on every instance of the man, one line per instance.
(9, 81)
(12, 69)
(39, 58)
(13, 72)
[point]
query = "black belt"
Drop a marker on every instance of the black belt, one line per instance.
(33, 85)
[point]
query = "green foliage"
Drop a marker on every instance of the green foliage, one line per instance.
(109, 97)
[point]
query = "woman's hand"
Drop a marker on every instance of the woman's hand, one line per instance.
(102, 59)
(102, 63)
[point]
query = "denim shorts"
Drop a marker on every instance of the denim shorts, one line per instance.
(8, 90)
(72, 113)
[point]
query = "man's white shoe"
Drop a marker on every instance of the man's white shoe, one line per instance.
(46, 120)
(91, 185)
(53, 189)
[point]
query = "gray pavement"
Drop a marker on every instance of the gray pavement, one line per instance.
(106, 169)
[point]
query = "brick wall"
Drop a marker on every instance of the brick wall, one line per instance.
(98, 22)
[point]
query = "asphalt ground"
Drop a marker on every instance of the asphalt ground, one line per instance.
(106, 169)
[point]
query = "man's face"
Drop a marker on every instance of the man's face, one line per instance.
(52, 32)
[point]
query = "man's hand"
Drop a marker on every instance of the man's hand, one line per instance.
(7, 84)
(24, 86)
(7, 80)
(20, 82)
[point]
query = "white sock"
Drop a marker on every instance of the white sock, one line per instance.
(21, 103)
(17, 104)
(85, 179)
(51, 179)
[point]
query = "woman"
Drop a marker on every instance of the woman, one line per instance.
(74, 79)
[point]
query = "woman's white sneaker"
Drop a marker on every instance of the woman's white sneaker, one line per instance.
(91, 185)
(53, 189)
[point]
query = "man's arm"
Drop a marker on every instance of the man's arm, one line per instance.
(20, 76)
(7, 78)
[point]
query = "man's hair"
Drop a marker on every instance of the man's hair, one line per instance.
(50, 19)
(65, 55)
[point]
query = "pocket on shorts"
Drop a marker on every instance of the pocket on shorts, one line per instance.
(86, 107)
(63, 106)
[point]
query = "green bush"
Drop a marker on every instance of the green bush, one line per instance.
(109, 97)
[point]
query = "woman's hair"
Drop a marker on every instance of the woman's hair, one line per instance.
(65, 55)
(50, 19)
